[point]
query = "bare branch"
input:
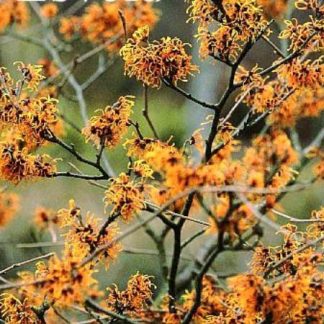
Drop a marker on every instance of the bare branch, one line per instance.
(20, 264)
(145, 112)
(296, 220)
(189, 96)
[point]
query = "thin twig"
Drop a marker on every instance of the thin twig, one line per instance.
(123, 19)
(189, 96)
(22, 263)
(145, 113)
(71, 149)
(316, 142)
(262, 218)
(22, 284)
(274, 46)
(238, 102)
(297, 220)
(192, 238)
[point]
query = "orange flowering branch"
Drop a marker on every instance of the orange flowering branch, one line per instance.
(289, 256)
(189, 96)
(71, 149)
(287, 59)
(211, 194)
(198, 281)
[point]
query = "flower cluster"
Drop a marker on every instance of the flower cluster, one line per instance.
(293, 296)
(296, 93)
(298, 33)
(107, 128)
(86, 235)
(303, 74)
(316, 229)
(125, 196)
(265, 258)
(103, 23)
(302, 103)
(17, 164)
(268, 163)
(151, 62)
(50, 71)
(13, 11)
(212, 298)
(26, 120)
(15, 311)
(60, 282)
(237, 22)
(165, 159)
(32, 75)
(49, 10)
(273, 8)
(49, 68)
(315, 5)
(262, 95)
(142, 170)
(304, 78)
(134, 300)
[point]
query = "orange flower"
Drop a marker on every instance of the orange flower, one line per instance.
(16, 311)
(49, 10)
(219, 43)
(102, 22)
(142, 170)
(211, 300)
(68, 216)
(302, 73)
(134, 299)
(69, 26)
(17, 165)
(298, 34)
(32, 74)
(62, 283)
(45, 218)
(273, 8)
(152, 62)
(238, 22)
(315, 5)
(249, 293)
(111, 124)
(125, 196)
(13, 11)
(49, 67)
(86, 235)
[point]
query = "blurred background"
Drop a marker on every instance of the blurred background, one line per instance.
(172, 115)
